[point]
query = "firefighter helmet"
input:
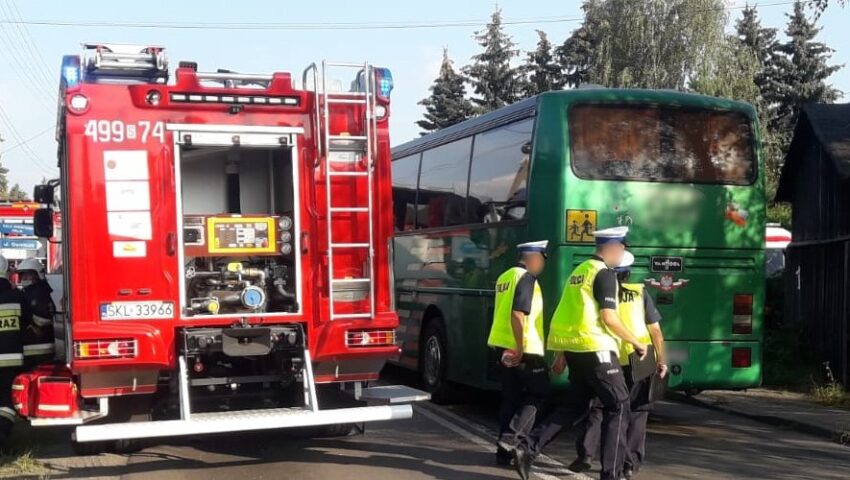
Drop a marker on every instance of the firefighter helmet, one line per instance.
(30, 264)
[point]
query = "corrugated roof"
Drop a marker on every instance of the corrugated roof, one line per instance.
(831, 126)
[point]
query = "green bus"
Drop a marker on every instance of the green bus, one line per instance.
(683, 171)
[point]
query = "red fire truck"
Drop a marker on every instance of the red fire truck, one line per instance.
(226, 246)
(17, 237)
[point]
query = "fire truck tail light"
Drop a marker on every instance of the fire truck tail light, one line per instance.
(369, 338)
(100, 349)
(153, 97)
(742, 314)
(380, 112)
(78, 104)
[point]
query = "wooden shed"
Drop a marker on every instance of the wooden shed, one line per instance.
(816, 180)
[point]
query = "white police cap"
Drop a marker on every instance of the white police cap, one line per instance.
(613, 234)
(627, 262)
(533, 247)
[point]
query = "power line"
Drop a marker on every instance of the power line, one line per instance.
(26, 148)
(28, 140)
(29, 44)
(33, 81)
(166, 25)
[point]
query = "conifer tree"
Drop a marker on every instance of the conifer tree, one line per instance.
(543, 72)
(495, 82)
(801, 70)
(447, 103)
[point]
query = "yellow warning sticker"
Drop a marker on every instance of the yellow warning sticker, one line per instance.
(580, 225)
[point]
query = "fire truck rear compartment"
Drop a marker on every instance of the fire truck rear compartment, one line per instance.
(238, 235)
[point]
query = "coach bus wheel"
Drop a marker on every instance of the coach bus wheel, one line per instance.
(432, 360)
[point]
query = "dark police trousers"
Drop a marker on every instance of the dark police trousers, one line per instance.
(525, 389)
(590, 378)
(587, 442)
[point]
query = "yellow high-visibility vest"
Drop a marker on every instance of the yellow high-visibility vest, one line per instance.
(633, 315)
(577, 324)
(501, 333)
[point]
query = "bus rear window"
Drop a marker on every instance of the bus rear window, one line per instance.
(663, 144)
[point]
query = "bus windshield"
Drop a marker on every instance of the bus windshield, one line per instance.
(663, 144)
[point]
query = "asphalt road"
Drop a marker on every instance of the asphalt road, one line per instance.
(455, 442)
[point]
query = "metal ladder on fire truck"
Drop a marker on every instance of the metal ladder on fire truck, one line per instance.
(327, 145)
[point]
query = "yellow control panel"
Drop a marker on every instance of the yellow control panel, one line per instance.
(241, 235)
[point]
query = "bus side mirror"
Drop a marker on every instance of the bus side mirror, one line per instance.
(43, 194)
(42, 221)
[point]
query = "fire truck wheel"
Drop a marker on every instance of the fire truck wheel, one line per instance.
(433, 360)
(336, 430)
(85, 449)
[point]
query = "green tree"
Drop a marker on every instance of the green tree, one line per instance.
(731, 74)
(543, 72)
(577, 55)
(493, 79)
(4, 180)
(17, 194)
(801, 71)
(651, 43)
(447, 104)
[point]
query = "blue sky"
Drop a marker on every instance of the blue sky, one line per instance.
(28, 89)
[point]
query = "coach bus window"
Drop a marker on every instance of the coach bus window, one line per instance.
(499, 173)
(405, 174)
(442, 185)
(668, 144)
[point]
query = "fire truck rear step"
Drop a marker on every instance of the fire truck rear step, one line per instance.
(246, 420)
(391, 394)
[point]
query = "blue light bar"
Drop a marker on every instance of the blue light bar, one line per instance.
(385, 82)
(71, 76)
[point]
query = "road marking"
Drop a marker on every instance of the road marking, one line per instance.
(486, 439)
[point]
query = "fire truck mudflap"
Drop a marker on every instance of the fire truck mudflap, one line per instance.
(232, 267)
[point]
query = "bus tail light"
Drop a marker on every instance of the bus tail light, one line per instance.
(742, 357)
(369, 338)
(742, 314)
(100, 349)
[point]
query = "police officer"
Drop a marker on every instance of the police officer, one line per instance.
(15, 317)
(638, 313)
(584, 333)
(517, 335)
(38, 338)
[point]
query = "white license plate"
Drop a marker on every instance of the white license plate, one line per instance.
(136, 310)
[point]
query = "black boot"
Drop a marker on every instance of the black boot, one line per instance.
(580, 464)
(523, 459)
(503, 457)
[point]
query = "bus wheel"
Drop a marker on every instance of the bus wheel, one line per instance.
(432, 360)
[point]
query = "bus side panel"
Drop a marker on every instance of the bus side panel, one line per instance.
(452, 273)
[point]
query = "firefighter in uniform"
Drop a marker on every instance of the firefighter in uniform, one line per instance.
(14, 319)
(585, 333)
(638, 313)
(517, 335)
(38, 338)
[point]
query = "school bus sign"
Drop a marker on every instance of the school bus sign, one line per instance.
(580, 225)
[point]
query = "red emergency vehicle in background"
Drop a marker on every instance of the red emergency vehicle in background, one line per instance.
(18, 240)
(226, 240)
